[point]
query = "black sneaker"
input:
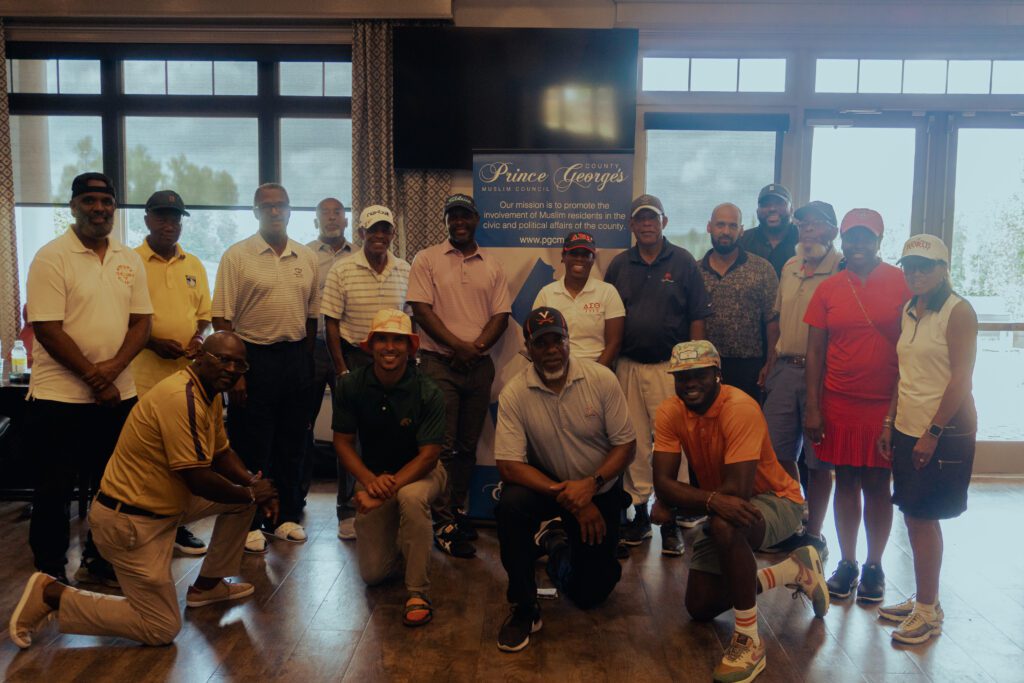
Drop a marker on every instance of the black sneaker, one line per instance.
(621, 551)
(819, 544)
(97, 571)
(843, 579)
(671, 540)
(186, 542)
(465, 527)
(635, 532)
(872, 583)
(549, 529)
(449, 540)
(799, 540)
(515, 632)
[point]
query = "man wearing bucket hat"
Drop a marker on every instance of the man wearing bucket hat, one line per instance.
(751, 502)
(398, 414)
(371, 280)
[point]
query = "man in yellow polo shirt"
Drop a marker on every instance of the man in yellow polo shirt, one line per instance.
(180, 293)
(751, 502)
(172, 463)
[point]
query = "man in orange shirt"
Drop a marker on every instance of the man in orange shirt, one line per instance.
(751, 502)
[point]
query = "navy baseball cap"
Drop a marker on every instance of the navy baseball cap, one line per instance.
(166, 199)
(92, 182)
(543, 320)
(821, 210)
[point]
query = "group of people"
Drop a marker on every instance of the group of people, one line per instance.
(697, 382)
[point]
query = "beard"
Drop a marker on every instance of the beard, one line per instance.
(811, 252)
(724, 249)
(332, 232)
(552, 376)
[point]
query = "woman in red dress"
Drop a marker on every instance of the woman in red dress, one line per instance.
(854, 319)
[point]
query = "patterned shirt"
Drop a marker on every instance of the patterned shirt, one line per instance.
(327, 258)
(742, 300)
(354, 292)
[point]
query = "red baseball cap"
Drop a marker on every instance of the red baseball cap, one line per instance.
(865, 218)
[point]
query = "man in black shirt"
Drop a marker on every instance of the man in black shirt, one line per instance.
(398, 416)
(666, 303)
(775, 236)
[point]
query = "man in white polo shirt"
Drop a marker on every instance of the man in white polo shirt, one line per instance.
(266, 292)
(592, 308)
(563, 440)
(90, 308)
(330, 248)
(372, 280)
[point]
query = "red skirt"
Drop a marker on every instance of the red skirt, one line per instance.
(852, 428)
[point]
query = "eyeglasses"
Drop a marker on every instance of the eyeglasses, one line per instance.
(280, 206)
(239, 365)
(923, 267)
(813, 223)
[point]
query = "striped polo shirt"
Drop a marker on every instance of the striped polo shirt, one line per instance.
(326, 258)
(266, 297)
(354, 292)
(175, 426)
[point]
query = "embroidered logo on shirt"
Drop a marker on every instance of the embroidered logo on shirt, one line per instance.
(406, 421)
(590, 411)
(593, 307)
(298, 272)
(126, 274)
(667, 279)
(190, 280)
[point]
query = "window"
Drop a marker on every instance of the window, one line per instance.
(682, 74)
(919, 76)
(191, 118)
(692, 170)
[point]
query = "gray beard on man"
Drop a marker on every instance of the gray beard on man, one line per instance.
(811, 252)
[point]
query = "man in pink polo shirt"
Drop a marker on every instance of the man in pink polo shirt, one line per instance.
(459, 298)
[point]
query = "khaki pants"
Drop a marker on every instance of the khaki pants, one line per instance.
(400, 528)
(140, 548)
(646, 385)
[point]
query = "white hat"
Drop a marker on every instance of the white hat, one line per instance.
(926, 246)
(375, 214)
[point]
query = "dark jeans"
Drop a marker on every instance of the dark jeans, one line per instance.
(68, 438)
(467, 397)
(585, 573)
(269, 432)
(355, 358)
(742, 373)
(323, 377)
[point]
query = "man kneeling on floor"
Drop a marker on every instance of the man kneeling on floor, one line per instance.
(397, 412)
(751, 501)
(562, 441)
(172, 465)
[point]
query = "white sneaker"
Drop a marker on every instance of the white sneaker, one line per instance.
(290, 531)
(347, 529)
(255, 542)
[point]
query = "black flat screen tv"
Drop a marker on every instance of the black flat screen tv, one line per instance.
(457, 90)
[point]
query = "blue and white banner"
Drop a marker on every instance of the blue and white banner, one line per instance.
(528, 203)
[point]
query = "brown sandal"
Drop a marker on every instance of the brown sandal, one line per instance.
(418, 610)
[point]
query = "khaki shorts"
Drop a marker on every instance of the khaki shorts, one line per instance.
(782, 518)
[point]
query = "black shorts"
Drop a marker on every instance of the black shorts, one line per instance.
(939, 490)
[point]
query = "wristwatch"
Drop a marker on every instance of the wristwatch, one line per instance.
(936, 431)
(599, 480)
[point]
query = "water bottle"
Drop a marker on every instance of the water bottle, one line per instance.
(19, 360)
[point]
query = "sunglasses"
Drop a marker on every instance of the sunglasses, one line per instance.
(239, 365)
(923, 267)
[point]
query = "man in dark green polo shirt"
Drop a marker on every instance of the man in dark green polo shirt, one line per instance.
(397, 413)
(775, 236)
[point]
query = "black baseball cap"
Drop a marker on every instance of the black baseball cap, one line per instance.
(821, 210)
(579, 240)
(544, 320)
(459, 201)
(166, 199)
(775, 190)
(646, 201)
(90, 182)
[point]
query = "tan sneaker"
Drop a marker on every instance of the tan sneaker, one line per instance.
(32, 612)
(811, 579)
(223, 591)
(742, 661)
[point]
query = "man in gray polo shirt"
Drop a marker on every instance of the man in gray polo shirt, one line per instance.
(563, 439)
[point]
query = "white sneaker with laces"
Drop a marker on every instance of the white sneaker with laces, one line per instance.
(917, 629)
(291, 532)
(347, 529)
(255, 542)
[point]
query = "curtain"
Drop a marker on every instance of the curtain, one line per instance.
(10, 306)
(416, 196)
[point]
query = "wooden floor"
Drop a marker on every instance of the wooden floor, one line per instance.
(313, 620)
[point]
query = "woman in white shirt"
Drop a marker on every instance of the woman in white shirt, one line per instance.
(592, 308)
(930, 430)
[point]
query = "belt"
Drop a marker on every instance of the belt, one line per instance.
(117, 506)
(798, 361)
